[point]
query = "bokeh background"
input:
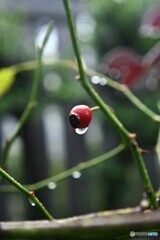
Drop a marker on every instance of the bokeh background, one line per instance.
(116, 38)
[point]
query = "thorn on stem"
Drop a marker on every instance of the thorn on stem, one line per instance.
(124, 87)
(133, 136)
(33, 104)
(78, 77)
(143, 150)
(32, 193)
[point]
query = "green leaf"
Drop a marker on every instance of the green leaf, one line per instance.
(7, 77)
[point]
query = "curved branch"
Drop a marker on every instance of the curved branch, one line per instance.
(102, 225)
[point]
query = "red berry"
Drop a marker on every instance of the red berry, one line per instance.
(80, 116)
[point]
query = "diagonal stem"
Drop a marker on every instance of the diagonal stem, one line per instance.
(25, 191)
(127, 92)
(131, 143)
(63, 175)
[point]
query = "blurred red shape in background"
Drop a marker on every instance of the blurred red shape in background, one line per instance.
(124, 65)
(150, 26)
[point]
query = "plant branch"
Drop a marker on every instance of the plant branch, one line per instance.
(158, 146)
(62, 63)
(127, 92)
(101, 225)
(132, 144)
(79, 168)
(32, 101)
(158, 139)
(30, 195)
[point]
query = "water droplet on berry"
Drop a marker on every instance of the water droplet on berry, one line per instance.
(76, 174)
(81, 131)
(52, 185)
(32, 202)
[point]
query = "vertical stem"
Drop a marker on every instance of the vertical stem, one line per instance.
(158, 138)
(106, 110)
(158, 146)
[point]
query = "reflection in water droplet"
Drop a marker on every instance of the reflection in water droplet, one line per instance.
(76, 174)
(81, 131)
(52, 185)
(32, 202)
(95, 79)
(103, 82)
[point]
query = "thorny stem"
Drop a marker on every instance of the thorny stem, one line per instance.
(32, 101)
(132, 144)
(80, 167)
(24, 190)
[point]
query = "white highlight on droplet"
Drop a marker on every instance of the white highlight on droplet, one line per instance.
(81, 131)
(103, 81)
(32, 202)
(95, 79)
(76, 174)
(52, 185)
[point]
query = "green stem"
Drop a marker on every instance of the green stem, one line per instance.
(80, 167)
(48, 62)
(24, 190)
(32, 101)
(94, 108)
(126, 91)
(140, 105)
(144, 175)
(31, 65)
(84, 82)
(157, 148)
(106, 110)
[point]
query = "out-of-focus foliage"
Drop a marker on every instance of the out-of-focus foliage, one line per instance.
(7, 76)
(13, 49)
(118, 23)
(12, 44)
